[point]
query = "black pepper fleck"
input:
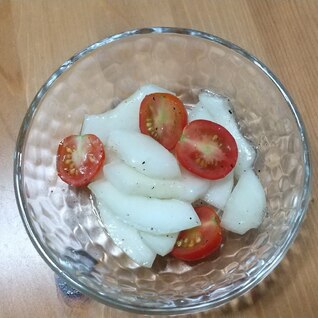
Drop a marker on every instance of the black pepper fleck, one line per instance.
(143, 162)
(230, 111)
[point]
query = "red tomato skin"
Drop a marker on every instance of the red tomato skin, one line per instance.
(93, 159)
(163, 116)
(210, 232)
(195, 135)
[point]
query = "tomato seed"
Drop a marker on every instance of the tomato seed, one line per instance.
(91, 158)
(201, 162)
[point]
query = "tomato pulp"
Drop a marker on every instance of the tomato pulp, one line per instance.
(79, 159)
(207, 149)
(163, 117)
(200, 241)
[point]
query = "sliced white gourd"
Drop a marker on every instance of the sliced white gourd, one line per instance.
(130, 181)
(221, 112)
(199, 112)
(193, 187)
(245, 208)
(160, 244)
(124, 116)
(146, 214)
(144, 154)
(127, 238)
(220, 191)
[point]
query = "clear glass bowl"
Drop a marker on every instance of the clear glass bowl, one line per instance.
(62, 221)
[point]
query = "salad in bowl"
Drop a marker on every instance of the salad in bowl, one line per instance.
(148, 164)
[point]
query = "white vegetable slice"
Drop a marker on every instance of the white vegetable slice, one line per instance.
(220, 191)
(199, 112)
(127, 238)
(193, 187)
(143, 153)
(245, 208)
(125, 116)
(221, 113)
(146, 214)
(160, 244)
(130, 181)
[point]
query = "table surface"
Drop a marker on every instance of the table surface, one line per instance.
(37, 36)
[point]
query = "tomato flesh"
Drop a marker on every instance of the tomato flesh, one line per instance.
(79, 159)
(207, 149)
(200, 241)
(163, 117)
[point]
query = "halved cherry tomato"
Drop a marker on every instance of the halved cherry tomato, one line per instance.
(163, 117)
(79, 158)
(200, 241)
(207, 149)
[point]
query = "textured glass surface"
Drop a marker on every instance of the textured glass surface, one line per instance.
(62, 221)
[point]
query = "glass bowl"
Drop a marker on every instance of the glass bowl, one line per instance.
(62, 221)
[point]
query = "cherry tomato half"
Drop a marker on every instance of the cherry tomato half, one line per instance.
(200, 241)
(79, 158)
(207, 149)
(163, 117)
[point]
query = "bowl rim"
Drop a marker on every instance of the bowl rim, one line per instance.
(253, 280)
